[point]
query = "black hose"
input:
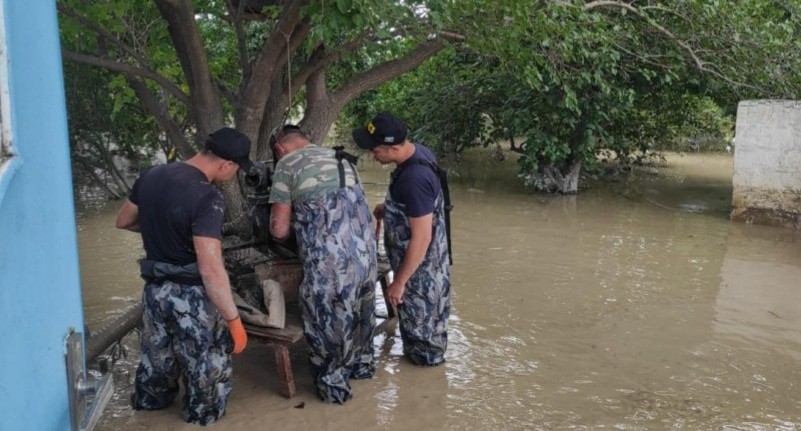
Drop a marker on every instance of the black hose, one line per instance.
(98, 341)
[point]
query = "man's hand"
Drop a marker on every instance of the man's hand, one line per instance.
(395, 293)
(238, 334)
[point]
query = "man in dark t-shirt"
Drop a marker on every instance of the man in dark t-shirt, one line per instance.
(181, 203)
(414, 237)
(415, 184)
(187, 294)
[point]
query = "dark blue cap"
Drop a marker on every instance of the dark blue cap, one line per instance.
(383, 129)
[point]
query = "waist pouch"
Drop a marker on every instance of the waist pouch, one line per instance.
(157, 272)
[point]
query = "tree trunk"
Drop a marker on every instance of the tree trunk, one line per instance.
(561, 179)
(267, 66)
(321, 110)
(206, 106)
(158, 110)
(265, 92)
(564, 177)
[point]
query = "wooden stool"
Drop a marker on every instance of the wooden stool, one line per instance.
(289, 275)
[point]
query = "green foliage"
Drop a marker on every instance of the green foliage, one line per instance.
(105, 130)
(136, 24)
(568, 79)
(697, 124)
(440, 101)
(573, 82)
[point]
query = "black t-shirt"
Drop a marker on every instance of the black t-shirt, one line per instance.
(415, 184)
(176, 202)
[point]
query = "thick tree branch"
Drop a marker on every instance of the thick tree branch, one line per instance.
(185, 35)
(226, 92)
(259, 85)
(322, 106)
(158, 110)
(129, 70)
(320, 59)
(276, 110)
(387, 70)
(451, 36)
(235, 13)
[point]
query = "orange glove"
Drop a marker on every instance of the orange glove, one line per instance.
(238, 334)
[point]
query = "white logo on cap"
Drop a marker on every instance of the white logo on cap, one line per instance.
(390, 139)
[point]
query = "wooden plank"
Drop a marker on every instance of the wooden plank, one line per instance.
(290, 334)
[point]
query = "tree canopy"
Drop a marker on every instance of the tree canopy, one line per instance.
(195, 66)
(563, 79)
(571, 79)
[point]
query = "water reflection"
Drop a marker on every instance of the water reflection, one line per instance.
(405, 398)
(760, 297)
(634, 305)
(109, 272)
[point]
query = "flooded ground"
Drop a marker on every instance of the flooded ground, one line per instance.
(636, 305)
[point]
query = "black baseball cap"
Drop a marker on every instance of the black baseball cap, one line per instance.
(383, 129)
(229, 144)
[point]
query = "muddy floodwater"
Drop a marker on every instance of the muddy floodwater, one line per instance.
(636, 305)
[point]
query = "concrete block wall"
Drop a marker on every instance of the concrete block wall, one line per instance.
(767, 163)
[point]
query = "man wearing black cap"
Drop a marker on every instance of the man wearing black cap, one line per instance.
(190, 324)
(320, 187)
(414, 237)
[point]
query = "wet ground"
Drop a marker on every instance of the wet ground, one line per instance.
(636, 305)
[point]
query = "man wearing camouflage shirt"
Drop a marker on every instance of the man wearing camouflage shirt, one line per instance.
(320, 189)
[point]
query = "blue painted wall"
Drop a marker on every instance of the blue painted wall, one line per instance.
(40, 297)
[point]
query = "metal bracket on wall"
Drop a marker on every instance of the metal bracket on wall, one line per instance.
(87, 396)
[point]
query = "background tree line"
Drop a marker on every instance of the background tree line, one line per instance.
(561, 80)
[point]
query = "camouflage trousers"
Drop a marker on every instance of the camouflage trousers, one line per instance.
(423, 315)
(423, 321)
(339, 330)
(337, 295)
(183, 337)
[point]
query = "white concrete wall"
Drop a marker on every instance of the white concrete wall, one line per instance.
(767, 163)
